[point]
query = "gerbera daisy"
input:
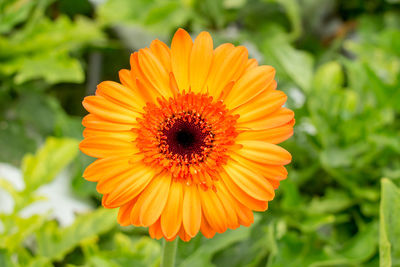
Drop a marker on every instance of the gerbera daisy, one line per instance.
(187, 141)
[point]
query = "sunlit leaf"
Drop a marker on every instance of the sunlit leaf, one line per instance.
(42, 167)
(55, 243)
(389, 228)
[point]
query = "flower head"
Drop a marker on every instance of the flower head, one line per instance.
(187, 141)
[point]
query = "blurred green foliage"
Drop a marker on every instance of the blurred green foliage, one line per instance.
(339, 63)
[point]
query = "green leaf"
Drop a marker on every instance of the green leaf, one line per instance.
(14, 12)
(17, 146)
(33, 105)
(5, 258)
(292, 9)
(54, 156)
(123, 11)
(40, 262)
(202, 256)
(389, 241)
(328, 77)
(18, 229)
(333, 202)
(290, 63)
(53, 67)
(54, 243)
(42, 50)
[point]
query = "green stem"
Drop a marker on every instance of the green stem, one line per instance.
(168, 253)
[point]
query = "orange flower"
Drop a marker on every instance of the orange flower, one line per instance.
(187, 141)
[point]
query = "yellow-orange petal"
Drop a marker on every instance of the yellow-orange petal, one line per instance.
(155, 230)
(102, 147)
(112, 178)
(163, 53)
(228, 64)
(263, 105)
(93, 122)
(228, 202)
(200, 62)
(128, 136)
(250, 85)
(244, 214)
(146, 89)
(206, 229)
(275, 183)
(252, 183)
(278, 118)
(155, 72)
(106, 168)
(171, 217)
(264, 152)
(108, 110)
(124, 213)
(240, 195)
(183, 235)
(273, 135)
(213, 211)
(126, 78)
(120, 94)
(191, 210)
(251, 63)
(181, 48)
(276, 172)
(125, 187)
(153, 199)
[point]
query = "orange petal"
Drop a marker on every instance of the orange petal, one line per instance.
(244, 214)
(273, 135)
(275, 172)
(242, 196)
(113, 177)
(249, 181)
(155, 230)
(106, 168)
(191, 210)
(278, 118)
(251, 63)
(102, 147)
(124, 213)
(153, 199)
(200, 61)
(108, 110)
(263, 105)
(171, 217)
(155, 72)
(228, 202)
(181, 48)
(126, 78)
(183, 235)
(213, 210)
(127, 186)
(162, 52)
(228, 65)
(275, 183)
(250, 85)
(206, 229)
(94, 122)
(128, 136)
(120, 94)
(147, 90)
(264, 152)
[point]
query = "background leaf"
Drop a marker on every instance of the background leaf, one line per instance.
(389, 224)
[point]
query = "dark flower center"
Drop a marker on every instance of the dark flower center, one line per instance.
(186, 137)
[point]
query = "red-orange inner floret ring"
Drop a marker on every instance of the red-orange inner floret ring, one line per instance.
(213, 124)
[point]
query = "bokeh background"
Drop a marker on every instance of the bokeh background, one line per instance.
(337, 60)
